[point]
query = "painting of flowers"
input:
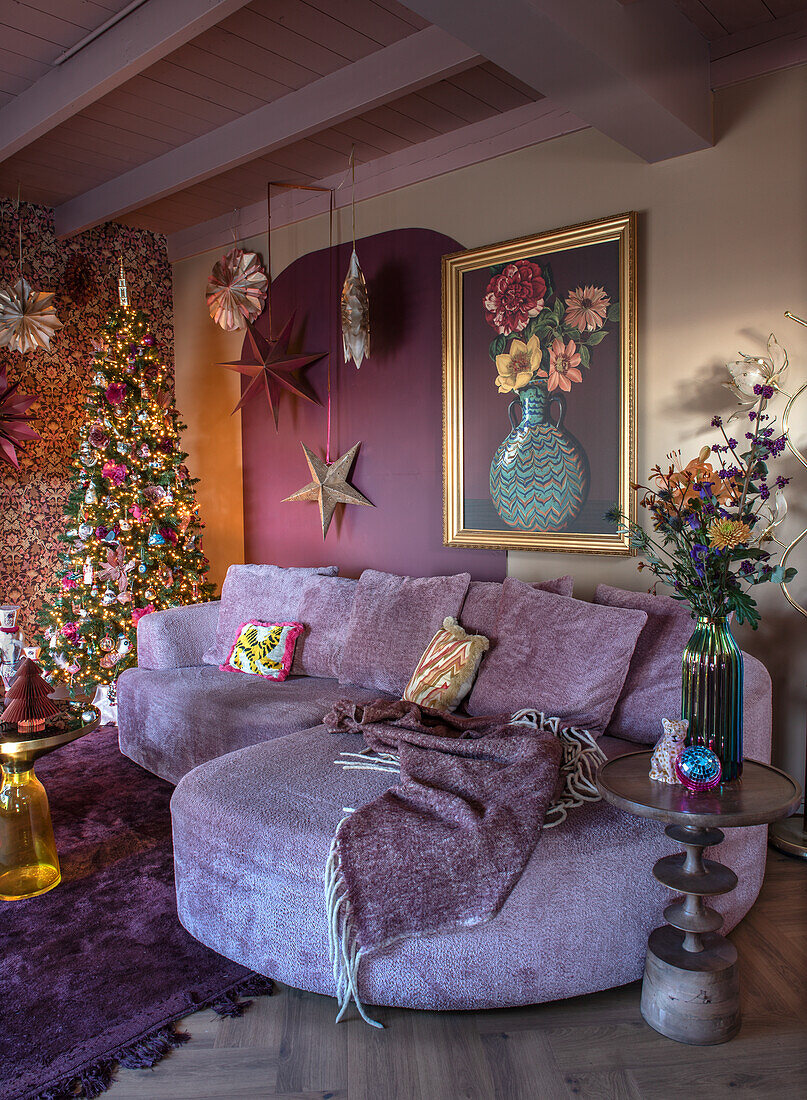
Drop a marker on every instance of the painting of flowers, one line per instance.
(538, 386)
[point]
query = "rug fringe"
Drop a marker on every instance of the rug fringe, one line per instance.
(343, 950)
(94, 1080)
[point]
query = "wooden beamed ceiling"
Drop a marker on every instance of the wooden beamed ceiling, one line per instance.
(184, 109)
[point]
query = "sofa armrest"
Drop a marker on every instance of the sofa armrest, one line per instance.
(178, 637)
(756, 710)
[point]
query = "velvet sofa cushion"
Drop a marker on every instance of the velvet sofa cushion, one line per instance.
(653, 682)
(392, 621)
(482, 603)
(265, 592)
(325, 614)
(566, 657)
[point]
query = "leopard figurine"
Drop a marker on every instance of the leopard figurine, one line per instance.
(668, 748)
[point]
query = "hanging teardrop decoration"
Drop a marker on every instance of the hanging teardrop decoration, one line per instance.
(355, 309)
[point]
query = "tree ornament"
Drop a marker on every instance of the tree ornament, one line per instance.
(156, 539)
(14, 417)
(27, 317)
(91, 497)
(236, 289)
(355, 314)
(79, 279)
(330, 485)
(268, 364)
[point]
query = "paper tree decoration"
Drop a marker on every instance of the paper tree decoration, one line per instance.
(355, 314)
(27, 701)
(27, 317)
(330, 485)
(14, 416)
(236, 289)
(269, 365)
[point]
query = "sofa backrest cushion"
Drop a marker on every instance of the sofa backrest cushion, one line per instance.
(652, 688)
(482, 603)
(392, 621)
(265, 592)
(325, 615)
(565, 657)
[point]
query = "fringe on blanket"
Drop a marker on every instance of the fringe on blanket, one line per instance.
(345, 954)
(581, 759)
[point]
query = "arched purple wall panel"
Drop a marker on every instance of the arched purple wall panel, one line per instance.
(393, 404)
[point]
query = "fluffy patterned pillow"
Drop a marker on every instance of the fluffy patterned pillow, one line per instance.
(263, 649)
(447, 669)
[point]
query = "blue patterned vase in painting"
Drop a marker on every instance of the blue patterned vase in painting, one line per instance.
(539, 476)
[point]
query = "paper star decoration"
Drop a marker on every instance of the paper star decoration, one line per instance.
(330, 485)
(268, 364)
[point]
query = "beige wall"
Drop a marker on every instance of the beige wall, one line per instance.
(721, 254)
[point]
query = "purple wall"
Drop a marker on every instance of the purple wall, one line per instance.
(393, 405)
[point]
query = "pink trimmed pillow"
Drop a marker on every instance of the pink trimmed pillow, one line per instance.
(565, 657)
(263, 649)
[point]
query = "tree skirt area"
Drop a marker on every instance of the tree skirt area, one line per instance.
(94, 973)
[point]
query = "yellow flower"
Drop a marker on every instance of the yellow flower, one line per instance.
(518, 366)
(727, 534)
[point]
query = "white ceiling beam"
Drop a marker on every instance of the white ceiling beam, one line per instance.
(120, 53)
(638, 72)
(408, 65)
(471, 144)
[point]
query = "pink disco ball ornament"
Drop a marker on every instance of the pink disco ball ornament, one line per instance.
(698, 768)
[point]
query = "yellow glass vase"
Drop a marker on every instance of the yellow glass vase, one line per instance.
(29, 863)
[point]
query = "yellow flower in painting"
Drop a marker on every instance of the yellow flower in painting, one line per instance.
(728, 534)
(517, 367)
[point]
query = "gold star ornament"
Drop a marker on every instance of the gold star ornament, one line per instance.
(330, 485)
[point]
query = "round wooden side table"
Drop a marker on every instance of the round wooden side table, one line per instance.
(29, 861)
(690, 990)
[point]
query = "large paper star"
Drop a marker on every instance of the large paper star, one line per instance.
(330, 486)
(268, 364)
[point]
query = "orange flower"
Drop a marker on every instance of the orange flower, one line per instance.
(727, 534)
(681, 482)
(564, 363)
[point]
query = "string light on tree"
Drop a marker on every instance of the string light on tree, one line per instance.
(132, 539)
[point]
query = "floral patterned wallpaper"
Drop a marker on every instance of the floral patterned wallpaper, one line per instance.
(32, 498)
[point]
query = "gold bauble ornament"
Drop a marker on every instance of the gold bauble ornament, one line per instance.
(27, 317)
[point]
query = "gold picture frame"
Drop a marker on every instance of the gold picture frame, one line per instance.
(533, 324)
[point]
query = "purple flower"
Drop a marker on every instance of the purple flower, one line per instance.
(747, 567)
(115, 393)
(782, 481)
(717, 421)
(764, 491)
(732, 444)
(765, 392)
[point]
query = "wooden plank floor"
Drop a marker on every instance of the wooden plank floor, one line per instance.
(287, 1047)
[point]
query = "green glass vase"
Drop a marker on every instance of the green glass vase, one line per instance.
(712, 693)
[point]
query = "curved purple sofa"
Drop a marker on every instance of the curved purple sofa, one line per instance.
(259, 798)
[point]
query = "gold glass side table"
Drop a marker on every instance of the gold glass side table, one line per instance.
(29, 861)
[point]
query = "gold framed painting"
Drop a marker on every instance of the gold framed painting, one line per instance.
(539, 381)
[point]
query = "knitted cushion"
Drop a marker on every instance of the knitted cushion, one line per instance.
(446, 670)
(263, 649)
(558, 655)
(391, 623)
(265, 592)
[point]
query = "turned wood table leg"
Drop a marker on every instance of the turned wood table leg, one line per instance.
(690, 991)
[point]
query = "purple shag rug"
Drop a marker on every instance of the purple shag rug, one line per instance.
(95, 973)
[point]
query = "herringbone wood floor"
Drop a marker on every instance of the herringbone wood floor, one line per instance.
(287, 1046)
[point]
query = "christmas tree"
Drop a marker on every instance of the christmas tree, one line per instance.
(132, 542)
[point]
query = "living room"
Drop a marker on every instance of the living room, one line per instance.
(403, 466)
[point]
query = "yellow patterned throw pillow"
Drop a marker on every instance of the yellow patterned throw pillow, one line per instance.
(446, 670)
(263, 649)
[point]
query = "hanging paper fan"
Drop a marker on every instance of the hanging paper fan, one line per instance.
(355, 314)
(236, 289)
(14, 415)
(27, 317)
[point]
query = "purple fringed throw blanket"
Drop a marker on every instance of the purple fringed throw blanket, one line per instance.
(443, 848)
